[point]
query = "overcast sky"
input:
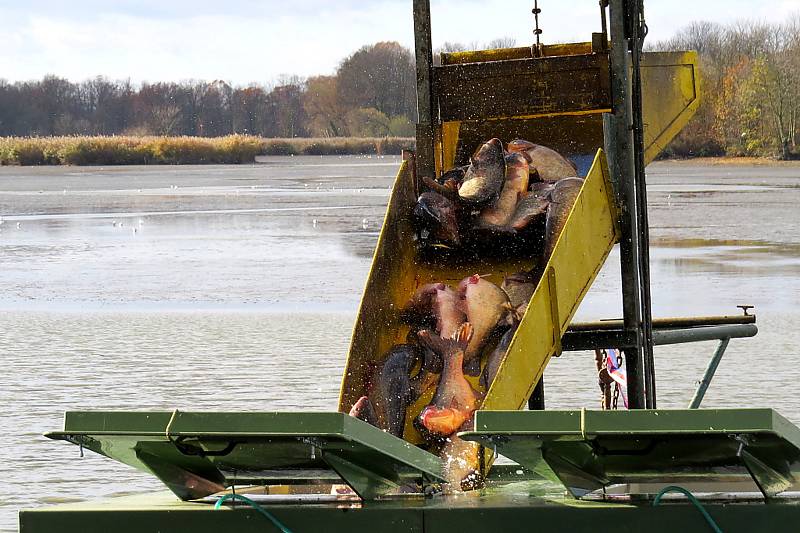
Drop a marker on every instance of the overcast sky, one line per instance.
(245, 41)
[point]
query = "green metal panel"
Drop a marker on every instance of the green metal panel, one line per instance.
(591, 450)
(513, 507)
(196, 454)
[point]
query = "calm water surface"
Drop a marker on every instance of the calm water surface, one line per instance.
(235, 288)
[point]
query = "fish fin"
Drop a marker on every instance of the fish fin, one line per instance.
(463, 334)
(435, 186)
(452, 184)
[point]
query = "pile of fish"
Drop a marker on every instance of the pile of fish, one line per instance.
(452, 332)
(467, 330)
(501, 193)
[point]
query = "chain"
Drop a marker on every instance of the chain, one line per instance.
(537, 48)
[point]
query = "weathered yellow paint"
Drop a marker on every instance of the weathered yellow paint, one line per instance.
(670, 97)
(397, 272)
(588, 237)
(522, 52)
(670, 89)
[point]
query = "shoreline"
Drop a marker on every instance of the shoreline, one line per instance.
(725, 160)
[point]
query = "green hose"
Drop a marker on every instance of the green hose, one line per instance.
(695, 501)
(255, 506)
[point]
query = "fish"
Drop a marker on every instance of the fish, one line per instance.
(515, 187)
(530, 208)
(430, 368)
(364, 410)
(496, 357)
(486, 174)
(486, 306)
(455, 400)
(392, 390)
(436, 305)
(461, 460)
(438, 215)
(545, 163)
(562, 198)
(519, 287)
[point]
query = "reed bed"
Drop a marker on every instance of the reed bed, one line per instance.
(231, 149)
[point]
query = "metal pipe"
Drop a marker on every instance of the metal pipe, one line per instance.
(425, 102)
(668, 322)
(711, 369)
(682, 336)
(575, 341)
(619, 139)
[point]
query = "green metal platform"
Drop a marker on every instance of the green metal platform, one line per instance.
(591, 451)
(198, 454)
(511, 508)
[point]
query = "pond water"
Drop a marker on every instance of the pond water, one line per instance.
(235, 288)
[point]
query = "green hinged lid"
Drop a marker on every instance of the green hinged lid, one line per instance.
(197, 454)
(593, 450)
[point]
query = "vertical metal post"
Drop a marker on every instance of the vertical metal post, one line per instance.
(536, 401)
(425, 101)
(638, 31)
(619, 136)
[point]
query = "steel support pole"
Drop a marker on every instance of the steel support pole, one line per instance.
(619, 138)
(536, 401)
(425, 102)
(711, 369)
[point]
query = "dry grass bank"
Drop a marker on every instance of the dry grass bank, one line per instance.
(129, 150)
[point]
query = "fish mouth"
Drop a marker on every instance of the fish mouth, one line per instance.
(442, 421)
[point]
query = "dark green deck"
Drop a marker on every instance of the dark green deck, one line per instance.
(510, 509)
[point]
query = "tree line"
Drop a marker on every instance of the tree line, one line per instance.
(750, 73)
(750, 102)
(372, 94)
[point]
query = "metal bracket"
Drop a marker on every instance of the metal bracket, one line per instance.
(553, 293)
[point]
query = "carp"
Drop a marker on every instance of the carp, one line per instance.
(455, 400)
(486, 174)
(545, 163)
(519, 287)
(436, 305)
(562, 198)
(438, 215)
(363, 410)
(531, 207)
(461, 462)
(514, 188)
(392, 390)
(496, 357)
(486, 306)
